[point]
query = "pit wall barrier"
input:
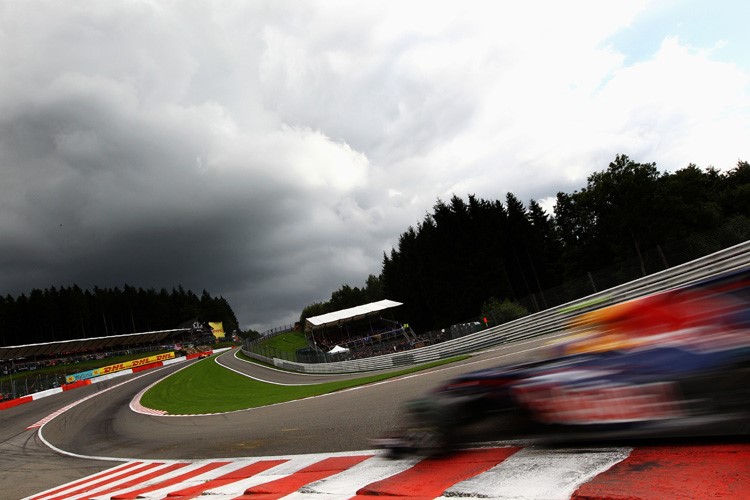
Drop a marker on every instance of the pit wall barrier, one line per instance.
(547, 322)
(143, 368)
(200, 354)
(15, 402)
(11, 403)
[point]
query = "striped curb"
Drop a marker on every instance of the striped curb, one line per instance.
(528, 473)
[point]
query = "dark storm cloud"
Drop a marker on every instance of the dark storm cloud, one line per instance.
(105, 193)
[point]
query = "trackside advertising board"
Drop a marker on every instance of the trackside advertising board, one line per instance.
(119, 366)
(217, 328)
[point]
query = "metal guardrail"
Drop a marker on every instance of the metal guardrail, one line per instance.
(538, 324)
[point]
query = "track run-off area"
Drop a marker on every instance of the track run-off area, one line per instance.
(98, 442)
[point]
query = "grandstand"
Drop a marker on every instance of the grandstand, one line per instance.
(359, 331)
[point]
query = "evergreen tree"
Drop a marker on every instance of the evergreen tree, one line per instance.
(67, 313)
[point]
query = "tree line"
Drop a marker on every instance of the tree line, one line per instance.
(472, 252)
(68, 313)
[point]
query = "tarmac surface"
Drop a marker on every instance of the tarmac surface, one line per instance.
(33, 459)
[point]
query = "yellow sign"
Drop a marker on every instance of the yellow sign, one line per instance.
(118, 367)
(217, 329)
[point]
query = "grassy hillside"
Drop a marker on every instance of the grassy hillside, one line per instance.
(206, 387)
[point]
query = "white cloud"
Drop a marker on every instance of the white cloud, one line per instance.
(676, 108)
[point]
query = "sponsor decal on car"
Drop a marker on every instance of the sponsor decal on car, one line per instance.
(599, 404)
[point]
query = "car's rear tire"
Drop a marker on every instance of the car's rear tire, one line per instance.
(431, 429)
(432, 440)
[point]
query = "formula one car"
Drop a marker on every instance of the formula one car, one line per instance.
(674, 363)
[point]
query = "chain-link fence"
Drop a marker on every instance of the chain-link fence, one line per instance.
(367, 346)
(277, 331)
(268, 352)
(372, 345)
(17, 386)
(648, 262)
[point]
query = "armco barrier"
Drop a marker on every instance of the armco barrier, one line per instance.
(538, 324)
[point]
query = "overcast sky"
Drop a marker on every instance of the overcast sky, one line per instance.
(272, 151)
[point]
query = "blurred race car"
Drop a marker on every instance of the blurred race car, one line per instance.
(670, 364)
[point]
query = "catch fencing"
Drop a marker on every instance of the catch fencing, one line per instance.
(546, 322)
(17, 385)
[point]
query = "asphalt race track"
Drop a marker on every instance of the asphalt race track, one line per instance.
(343, 421)
(104, 425)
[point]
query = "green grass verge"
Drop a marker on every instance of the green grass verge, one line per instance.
(286, 342)
(206, 387)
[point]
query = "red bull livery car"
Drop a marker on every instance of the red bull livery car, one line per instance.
(670, 364)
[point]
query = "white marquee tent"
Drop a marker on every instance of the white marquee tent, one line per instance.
(338, 349)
